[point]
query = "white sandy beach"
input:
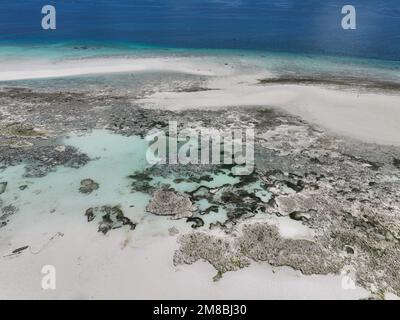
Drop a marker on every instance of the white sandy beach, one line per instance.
(91, 266)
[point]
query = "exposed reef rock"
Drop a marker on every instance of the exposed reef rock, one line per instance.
(258, 242)
(295, 203)
(111, 218)
(345, 191)
(166, 202)
(12, 130)
(324, 255)
(342, 81)
(220, 252)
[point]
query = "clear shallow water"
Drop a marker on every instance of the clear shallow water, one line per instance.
(114, 158)
(236, 61)
(307, 26)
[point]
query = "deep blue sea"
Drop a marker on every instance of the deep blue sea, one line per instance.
(297, 26)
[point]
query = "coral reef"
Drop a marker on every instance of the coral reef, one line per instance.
(166, 202)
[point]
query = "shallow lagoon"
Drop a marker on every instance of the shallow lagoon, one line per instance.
(113, 158)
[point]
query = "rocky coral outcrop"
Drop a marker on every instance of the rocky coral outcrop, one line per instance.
(166, 202)
(220, 252)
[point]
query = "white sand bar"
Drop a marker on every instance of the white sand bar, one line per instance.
(370, 117)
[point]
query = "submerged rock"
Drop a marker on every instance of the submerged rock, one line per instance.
(42, 159)
(88, 186)
(3, 186)
(111, 218)
(173, 231)
(6, 211)
(213, 208)
(142, 182)
(9, 210)
(19, 250)
(198, 222)
(166, 202)
(396, 163)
